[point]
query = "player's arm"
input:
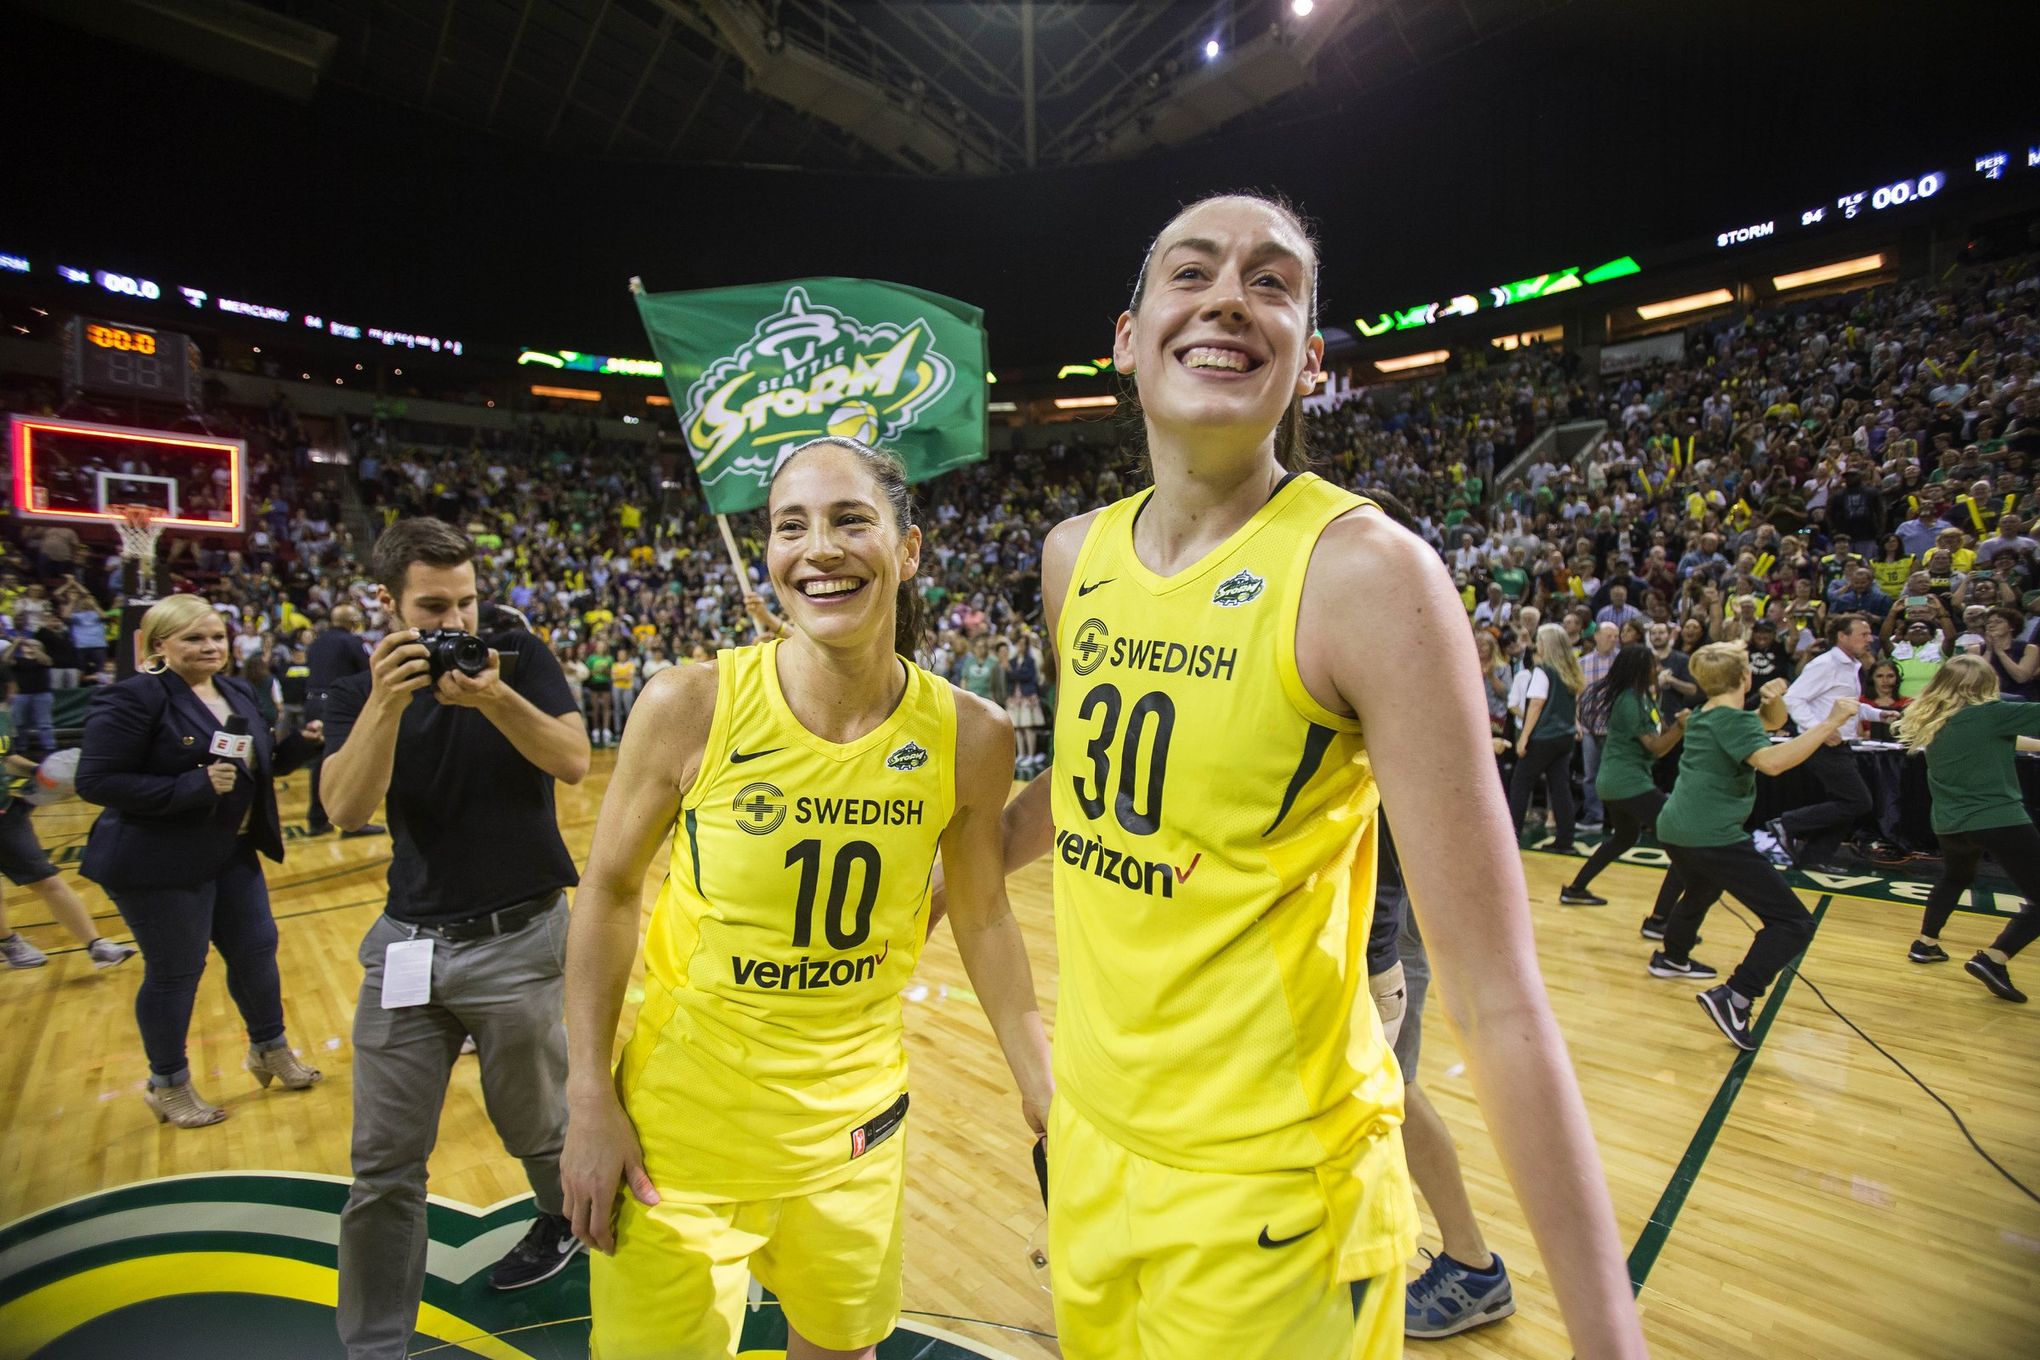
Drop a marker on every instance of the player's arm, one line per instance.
(987, 934)
(655, 767)
(1382, 635)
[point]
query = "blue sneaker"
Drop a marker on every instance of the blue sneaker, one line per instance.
(1450, 1298)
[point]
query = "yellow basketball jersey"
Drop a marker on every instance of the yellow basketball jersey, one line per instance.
(1214, 858)
(792, 916)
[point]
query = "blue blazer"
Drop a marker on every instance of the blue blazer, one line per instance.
(144, 758)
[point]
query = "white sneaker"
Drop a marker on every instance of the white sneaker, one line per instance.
(20, 953)
(106, 954)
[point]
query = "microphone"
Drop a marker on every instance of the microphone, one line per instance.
(234, 743)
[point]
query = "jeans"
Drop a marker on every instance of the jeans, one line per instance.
(1590, 753)
(32, 716)
(1550, 761)
(173, 927)
(1820, 827)
(1631, 816)
(508, 992)
(2016, 848)
(1742, 873)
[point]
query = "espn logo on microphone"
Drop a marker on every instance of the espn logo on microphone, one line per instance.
(231, 747)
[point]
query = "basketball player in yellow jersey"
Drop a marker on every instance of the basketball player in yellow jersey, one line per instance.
(1254, 664)
(757, 1116)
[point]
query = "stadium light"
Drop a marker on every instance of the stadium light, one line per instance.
(1211, 49)
(1084, 403)
(1692, 302)
(1409, 361)
(1825, 273)
(1301, 8)
(1000, 408)
(566, 393)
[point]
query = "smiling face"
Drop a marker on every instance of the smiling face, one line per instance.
(836, 554)
(1219, 339)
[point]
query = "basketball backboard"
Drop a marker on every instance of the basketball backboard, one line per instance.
(76, 472)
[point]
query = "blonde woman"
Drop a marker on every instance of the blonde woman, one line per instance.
(1969, 738)
(1701, 830)
(176, 848)
(1544, 744)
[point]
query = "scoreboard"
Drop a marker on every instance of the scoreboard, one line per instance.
(116, 359)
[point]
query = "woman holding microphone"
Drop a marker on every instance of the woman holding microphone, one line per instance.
(180, 759)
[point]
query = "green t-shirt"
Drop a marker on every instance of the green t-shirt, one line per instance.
(1513, 581)
(1560, 715)
(600, 667)
(1970, 771)
(1625, 765)
(1716, 788)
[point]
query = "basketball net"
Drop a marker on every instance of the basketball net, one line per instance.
(138, 534)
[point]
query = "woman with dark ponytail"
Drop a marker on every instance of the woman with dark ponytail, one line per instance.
(759, 1113)
(1637, 738)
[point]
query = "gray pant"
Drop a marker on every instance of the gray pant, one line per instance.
(1416, 965)
(509, 993)
(1590, 756)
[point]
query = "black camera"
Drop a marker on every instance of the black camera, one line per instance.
(450, 649)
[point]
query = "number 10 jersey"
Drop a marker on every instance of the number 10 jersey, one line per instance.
(1214, 860)
(792, 916)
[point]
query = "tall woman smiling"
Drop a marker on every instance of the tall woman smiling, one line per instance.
(176, 848)
(1228, 1175)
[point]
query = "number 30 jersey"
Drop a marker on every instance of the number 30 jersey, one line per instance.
(768, 1052)
(1214, 859)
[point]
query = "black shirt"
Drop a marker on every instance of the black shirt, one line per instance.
(334, 655)
(472, 820)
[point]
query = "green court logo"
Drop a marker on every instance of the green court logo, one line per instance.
(248, 1264)
(1235, 591)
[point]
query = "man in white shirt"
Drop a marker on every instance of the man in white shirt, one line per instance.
(1812, 834)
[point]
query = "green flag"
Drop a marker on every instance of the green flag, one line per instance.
(755, 370)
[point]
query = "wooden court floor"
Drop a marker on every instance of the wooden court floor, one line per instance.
(1830, 1207)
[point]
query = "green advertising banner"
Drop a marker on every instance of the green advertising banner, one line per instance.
(782, 363)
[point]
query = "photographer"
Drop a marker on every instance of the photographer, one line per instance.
(473, 937)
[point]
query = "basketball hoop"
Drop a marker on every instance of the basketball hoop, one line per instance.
(139, 531)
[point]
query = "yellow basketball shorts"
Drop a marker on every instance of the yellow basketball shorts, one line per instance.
(1153, 1262)
(675, 1289)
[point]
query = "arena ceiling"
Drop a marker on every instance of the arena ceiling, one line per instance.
(933, 89)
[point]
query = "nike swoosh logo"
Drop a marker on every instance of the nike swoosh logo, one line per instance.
(1267, 1241)
(1087, 589)
(570, 1243)
(739, 757)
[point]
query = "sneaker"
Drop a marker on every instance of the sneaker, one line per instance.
(20, 953)
(365, 829)
(318, 828)
(1653, 928)
(1662, 967)
(1922, 952)
(1733, 1020)
(1587, 826)
(1570, 896)
(542, 1254)
(1991, 974)
(1776, 826)
(105, 953)
(1450, 1298)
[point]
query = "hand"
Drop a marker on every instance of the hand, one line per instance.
(473, 691)
(1844, 709)
(601, 1154)
(1501, 746)
(314, 732)
(1034, 1109)
(397, 667)
(1774, 690)
(222, 773)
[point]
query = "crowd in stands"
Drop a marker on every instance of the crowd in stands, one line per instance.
(1871, 453)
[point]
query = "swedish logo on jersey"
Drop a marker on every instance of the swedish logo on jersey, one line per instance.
(1090, 647)
(760, 808)
(908, 757)
(1234, 591)
(246, 1264)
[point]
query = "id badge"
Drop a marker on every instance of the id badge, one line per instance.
(407, 974)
